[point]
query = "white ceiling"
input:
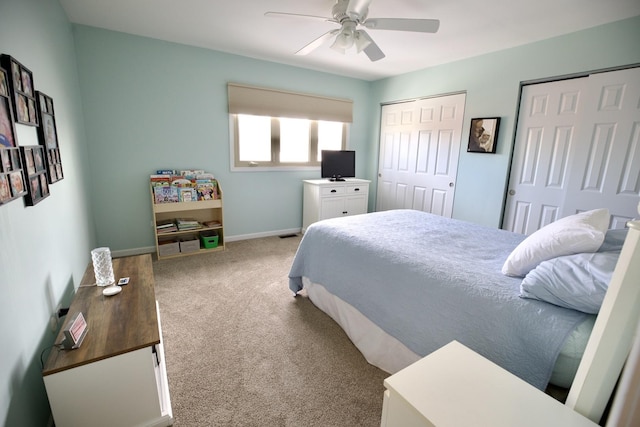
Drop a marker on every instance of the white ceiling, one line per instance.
(467, 27)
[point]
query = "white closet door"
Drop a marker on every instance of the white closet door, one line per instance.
(606, 170)
(419, 150)
(576, 149)
(549, 114)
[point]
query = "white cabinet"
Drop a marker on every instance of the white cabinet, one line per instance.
(455, 386)
(118, 376)
(324, 199)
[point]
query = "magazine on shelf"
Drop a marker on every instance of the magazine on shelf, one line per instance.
(206, 190)
(187, 194)
(205, 176)
(160, 180)
(166, 194)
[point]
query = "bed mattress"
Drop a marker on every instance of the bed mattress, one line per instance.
(387, 353)
(426, 280)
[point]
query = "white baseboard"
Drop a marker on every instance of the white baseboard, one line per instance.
(259, 235)
(236, 238)
(134, 251)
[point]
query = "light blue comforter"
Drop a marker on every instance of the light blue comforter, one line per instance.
(428, 280)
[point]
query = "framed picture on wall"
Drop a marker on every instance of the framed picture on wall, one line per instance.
(5, 188)
(5, 160)
(483, 135)
(4, 85)
(21, 90)
(16, 181)
(36, 174)
(27, 156)
(48, 136)
(16, 163)
(44, 185)
(7, 127)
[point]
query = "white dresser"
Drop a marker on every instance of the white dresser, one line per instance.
(118, 376)
(455, 386)
(324, 199)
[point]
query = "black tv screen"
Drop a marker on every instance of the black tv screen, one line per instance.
(337, 165)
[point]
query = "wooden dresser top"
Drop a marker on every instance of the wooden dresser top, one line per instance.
(116, 324)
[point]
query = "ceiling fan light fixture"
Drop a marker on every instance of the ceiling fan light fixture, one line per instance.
(345, 38)
(362, 40)
(349, 14)
(343, 42)
(338, 48)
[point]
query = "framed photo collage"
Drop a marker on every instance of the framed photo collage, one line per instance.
(26, 171)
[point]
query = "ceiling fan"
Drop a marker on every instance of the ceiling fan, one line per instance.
(350, 14)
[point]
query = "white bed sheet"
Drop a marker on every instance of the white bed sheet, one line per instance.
(387, 353)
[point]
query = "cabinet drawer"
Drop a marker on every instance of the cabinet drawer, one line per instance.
(357, 189)
(332, 191)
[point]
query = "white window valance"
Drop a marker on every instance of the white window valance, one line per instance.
(278, 103)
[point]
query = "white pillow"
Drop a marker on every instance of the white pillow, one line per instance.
(577, 281)
(583, 232)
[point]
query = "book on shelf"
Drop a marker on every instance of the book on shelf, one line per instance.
(212, 224)
(165, 194)
(191, 174)
(216, 191)
(160, 180)
(205, 176)
(182, 182)
(197, 185)
(167, 226)
(187, 224)
(206, 190)
(167, 230)
(187, 194)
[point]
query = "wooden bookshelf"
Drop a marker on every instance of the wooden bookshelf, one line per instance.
(203, 211)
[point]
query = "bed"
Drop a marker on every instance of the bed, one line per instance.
(404, 283)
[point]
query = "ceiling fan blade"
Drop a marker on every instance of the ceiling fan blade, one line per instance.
(298, 15)
(358, 8)
(402, 24)
(370, 48)
(373, 52)
(317, 42)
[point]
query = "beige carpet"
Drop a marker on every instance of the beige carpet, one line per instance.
(242, 351)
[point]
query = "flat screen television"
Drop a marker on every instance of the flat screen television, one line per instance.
(338, 164)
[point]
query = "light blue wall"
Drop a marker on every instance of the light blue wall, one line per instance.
(147, 104)
(150, 105)
(44, 249)
(492, 83)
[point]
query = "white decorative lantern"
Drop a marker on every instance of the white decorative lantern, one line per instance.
(102, 266)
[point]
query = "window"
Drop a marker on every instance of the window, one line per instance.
(261, 141)
(274, 129)
(294, 133)
(255, 134)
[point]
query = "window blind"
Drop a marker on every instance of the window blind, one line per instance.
(277, 103)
